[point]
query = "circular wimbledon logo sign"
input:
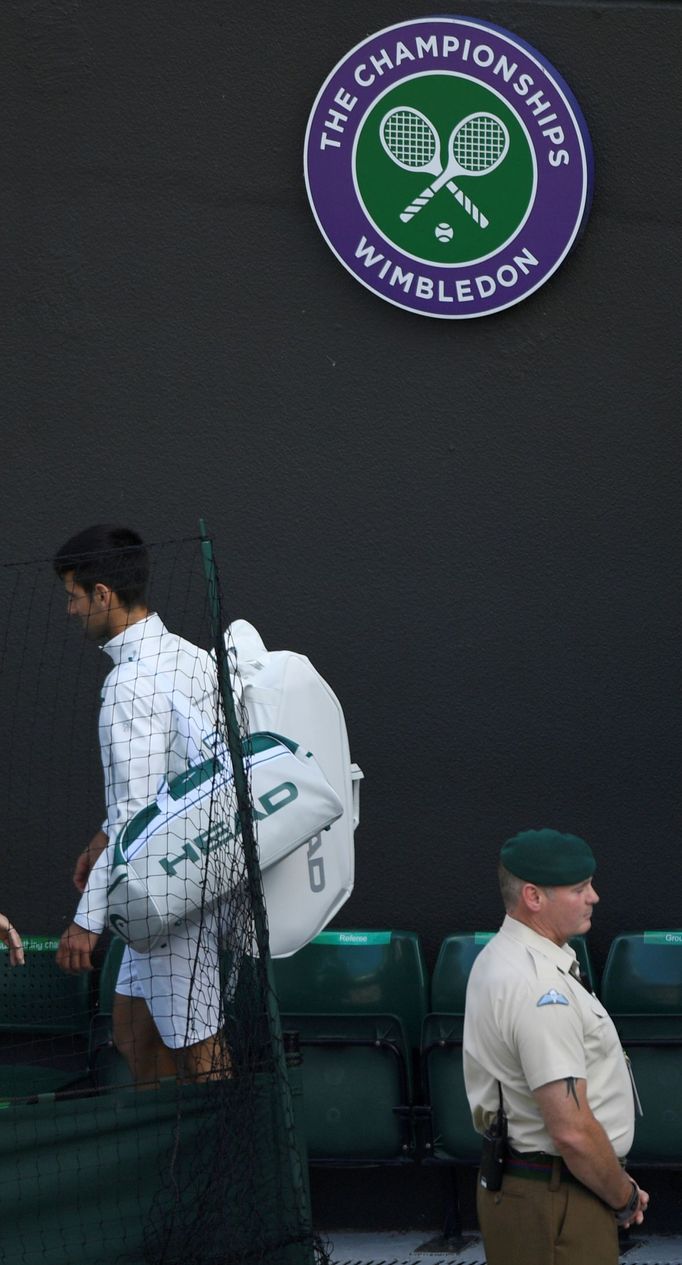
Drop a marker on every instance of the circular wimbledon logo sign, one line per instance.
(448, 166)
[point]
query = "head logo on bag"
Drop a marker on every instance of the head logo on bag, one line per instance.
(174, 851)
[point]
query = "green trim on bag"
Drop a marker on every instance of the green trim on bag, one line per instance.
(193, 777)
(353, 939)
(255, 743)
(663, 937)
(135, 827)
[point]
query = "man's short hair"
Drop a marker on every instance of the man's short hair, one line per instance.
(105, 554)
(510, 887)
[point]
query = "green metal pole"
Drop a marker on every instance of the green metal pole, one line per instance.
(234, 740)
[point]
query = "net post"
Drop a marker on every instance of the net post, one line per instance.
(234, 745)
(253, 871)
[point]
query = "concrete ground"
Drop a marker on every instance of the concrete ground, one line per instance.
(415, 1248)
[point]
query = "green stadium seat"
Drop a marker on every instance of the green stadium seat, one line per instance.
(587, 970)
(106, 1066)
(642, 991)
(452, 1134)
(453, 1137)
(357, 1000)
(44, 1022)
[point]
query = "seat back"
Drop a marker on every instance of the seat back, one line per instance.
(642, 984)
(357, 1000)
(357, 973)
(106, 984)
(44, 1020)
(642, 991)
(582, 952)
(107, 1067)
(40, 998)
(355, 1091)
(452, 1134)
(456, 957)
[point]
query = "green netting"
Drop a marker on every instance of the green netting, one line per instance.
(150, 1117)
(87, 1179)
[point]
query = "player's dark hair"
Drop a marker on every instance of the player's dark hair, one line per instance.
(105, 554)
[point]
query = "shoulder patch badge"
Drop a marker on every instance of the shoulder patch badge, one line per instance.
(553, 998)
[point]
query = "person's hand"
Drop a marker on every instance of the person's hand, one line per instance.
(642, 1205)
(12, 939)
(75, 949)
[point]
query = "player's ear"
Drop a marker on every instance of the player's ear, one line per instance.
(102, 595)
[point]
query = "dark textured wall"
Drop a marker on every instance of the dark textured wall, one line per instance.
(472, 528)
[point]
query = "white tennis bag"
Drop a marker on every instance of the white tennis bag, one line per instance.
(174, 857)
(284, 693)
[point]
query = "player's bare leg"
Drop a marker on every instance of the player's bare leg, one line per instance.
(208, 1060)
(136, 1037)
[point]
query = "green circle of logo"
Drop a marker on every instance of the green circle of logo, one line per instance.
(474, 156)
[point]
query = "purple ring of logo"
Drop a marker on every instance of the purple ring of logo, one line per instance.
(533, 90)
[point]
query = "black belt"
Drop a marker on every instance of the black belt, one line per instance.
(538, 1166)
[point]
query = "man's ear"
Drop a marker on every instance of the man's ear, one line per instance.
(531, 896)
(102, 596)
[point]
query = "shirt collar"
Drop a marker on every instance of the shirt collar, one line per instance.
(136, 641)
(563, 956)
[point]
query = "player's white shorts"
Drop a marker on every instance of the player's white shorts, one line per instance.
(179, 981)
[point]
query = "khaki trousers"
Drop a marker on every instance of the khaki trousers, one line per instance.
(545, 1223)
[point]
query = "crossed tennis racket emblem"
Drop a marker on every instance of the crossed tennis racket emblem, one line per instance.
(477, 145)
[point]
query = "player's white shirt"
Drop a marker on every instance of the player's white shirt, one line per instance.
(142, 738)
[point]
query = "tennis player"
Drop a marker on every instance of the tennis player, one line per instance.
(166, 1014)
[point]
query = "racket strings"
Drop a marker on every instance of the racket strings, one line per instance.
(409, 138)
(478, 144)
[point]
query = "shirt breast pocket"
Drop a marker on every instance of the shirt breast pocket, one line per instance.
(600, 1030)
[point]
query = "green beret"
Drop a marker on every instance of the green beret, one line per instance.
(548, 858)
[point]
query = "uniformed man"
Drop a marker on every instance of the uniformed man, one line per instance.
(539, 1043)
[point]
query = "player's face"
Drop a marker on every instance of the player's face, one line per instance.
(90, 608)
(568, 910)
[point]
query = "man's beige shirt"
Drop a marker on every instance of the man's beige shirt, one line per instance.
(529, 1021)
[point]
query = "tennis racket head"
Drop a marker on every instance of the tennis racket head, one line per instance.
(479, 144)
(410, 139)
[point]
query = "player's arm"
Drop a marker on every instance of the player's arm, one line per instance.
(138, 723)
(584, 1146)
(137, 728)
(87, 859)
(10, 936)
